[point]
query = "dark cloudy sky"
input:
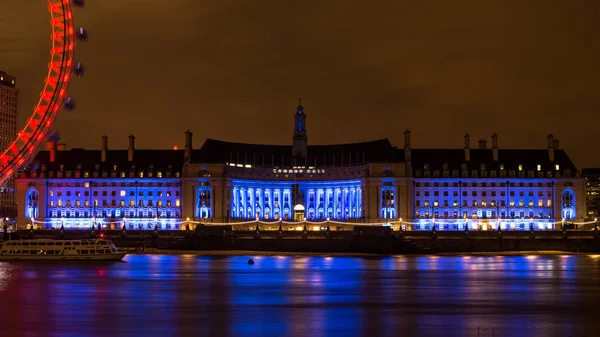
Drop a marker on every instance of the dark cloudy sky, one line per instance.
(233, 70)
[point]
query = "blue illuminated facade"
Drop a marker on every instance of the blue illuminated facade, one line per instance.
(368, 182)
(113, 203)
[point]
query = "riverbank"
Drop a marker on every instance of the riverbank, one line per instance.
(268, 253)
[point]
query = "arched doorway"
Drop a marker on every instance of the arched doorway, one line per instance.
(299, 212)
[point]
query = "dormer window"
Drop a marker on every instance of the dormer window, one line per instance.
(159, 174)
(141, 174)
(483, 167)
(114, 167)
(501, 167)
(557, 167)
(426, 166)
(520, 167)
(539, 167)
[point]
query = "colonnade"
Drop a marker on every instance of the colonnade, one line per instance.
(262, 203)
(338, 203)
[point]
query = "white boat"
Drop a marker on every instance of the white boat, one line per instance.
(60, 250)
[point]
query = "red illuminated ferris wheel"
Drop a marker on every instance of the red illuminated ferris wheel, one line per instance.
(53, 96)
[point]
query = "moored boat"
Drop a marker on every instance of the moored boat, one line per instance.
(60, 250)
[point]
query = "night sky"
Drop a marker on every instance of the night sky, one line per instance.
(233, 70)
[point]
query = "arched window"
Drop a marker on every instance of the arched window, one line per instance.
(568, 204)
(32, 204)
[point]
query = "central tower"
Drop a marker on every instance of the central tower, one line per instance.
(300, 140)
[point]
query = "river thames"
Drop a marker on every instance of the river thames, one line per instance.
(187, 295)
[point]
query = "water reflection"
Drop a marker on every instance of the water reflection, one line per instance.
(304, 296)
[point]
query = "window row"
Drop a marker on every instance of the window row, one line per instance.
(484, 203)
(481, 193)
(483, 214)
(108, 213)
(115, 184)
(481, 184)
(122, 193)
(113, 203)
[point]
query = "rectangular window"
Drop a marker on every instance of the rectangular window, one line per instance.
(520, 167)
(549, 203)
(557, 167)
(539, 167)
(122, 193)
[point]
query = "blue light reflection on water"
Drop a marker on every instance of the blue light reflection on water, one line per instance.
(162, 295)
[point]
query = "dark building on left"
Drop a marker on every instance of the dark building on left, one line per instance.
(9, 100)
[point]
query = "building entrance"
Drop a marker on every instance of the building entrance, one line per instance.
(299, 213)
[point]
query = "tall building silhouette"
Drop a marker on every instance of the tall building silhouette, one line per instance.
(9, 100)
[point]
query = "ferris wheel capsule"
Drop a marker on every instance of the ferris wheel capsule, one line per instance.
(69, 103)
(79, 69)
(82, 34)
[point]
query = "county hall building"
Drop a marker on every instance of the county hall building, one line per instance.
(370, 182)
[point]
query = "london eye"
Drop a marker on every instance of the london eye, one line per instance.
(53, 96)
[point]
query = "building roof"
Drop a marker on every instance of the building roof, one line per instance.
(510, 159)
(377, 151)
(159, 160)
(218, 151)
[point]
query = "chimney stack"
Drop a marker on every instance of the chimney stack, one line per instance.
(550, 139)
(131, 148)
(104, 149)
(51, 146)
(556, 144)
(188, 146)
(407, 156)
(482, 144)
(61, 146)
(467, 147)
(495, 147)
